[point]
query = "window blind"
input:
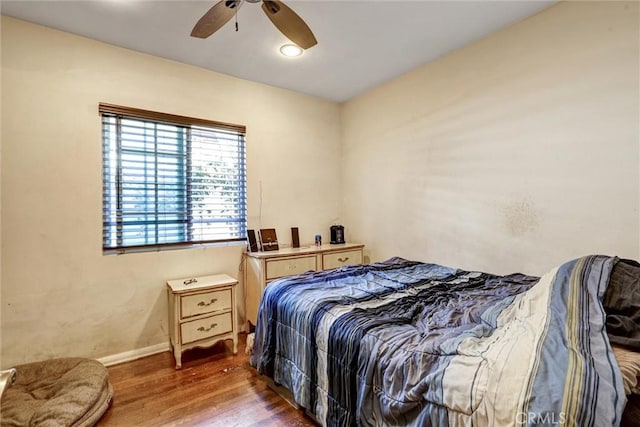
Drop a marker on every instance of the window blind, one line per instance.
(170, 180)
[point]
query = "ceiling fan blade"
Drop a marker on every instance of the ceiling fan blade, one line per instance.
(289, 23)
(215, 18)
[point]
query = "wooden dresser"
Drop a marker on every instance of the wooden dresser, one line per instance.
(202, 311)
(263, 267)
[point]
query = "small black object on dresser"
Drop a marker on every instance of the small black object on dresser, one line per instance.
(295, 238)
(337, 234)
(253, 242)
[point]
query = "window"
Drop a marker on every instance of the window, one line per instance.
(170, 180)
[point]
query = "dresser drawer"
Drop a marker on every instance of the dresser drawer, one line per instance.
(338, 259)
(290, 266)
(192, 305)
(205, 328)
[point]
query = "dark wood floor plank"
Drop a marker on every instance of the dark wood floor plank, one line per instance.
(214, 388)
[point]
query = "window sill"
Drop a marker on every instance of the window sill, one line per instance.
(162, 248)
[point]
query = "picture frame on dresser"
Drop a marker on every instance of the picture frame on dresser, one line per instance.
(268, 239)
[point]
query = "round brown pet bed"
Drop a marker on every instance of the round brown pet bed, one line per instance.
(57, 392)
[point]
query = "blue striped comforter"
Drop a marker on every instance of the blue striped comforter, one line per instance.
(408, 343)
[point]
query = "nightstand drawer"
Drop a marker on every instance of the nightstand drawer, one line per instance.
(192, 305)
(205, 328)
(290, 266)
(338, 259)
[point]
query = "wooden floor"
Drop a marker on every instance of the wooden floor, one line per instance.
(213, 388)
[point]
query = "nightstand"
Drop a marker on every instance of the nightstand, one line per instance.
(202, 311)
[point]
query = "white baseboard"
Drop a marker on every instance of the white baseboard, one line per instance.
(127, 356)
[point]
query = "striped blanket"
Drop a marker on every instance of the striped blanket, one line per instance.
(408, 343)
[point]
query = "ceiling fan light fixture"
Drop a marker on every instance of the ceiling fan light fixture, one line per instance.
(290, 50)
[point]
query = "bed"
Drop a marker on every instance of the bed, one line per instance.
(408, 343)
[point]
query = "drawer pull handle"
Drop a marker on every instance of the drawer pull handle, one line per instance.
(203, 329)
(343, 259)
(204, 304)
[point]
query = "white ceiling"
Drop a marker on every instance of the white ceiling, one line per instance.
(360, 43)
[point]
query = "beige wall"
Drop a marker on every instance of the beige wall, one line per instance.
(515, 153)
(60, 295)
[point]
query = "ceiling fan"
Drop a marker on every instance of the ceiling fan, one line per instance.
(285, 19)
